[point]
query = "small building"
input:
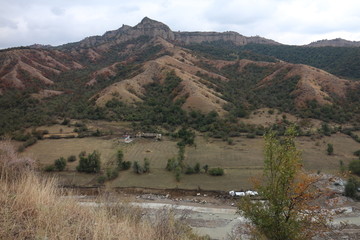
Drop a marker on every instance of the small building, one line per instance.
(157, 136)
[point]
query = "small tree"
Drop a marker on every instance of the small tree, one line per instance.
(330, 149)
(60, 164)
(90, 163)
(289, 211)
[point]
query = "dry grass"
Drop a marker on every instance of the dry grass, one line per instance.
(32, 207)
(241, 160)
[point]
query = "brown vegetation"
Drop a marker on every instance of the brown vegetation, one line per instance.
(33, 207)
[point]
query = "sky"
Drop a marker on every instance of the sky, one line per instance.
(294, 22)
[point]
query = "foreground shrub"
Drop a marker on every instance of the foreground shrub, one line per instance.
(12, 165)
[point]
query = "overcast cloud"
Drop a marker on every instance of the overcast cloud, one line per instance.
(55, 22)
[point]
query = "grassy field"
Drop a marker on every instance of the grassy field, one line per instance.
(241, 161)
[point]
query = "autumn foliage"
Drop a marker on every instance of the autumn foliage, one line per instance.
(289, 210)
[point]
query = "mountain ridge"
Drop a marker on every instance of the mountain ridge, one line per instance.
(122, 75)
(153, 28)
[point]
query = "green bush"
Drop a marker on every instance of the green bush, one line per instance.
(206, 168)
(197, 168)
(216, 171)
(137, 168)
(354, 167)
(101, 179)
(49, 168)
(97, 133)
(120, 158)
(21, 136)
(125, 165)
(60, 164)
(357, 153)
(189, 170)
(71, 158)
(30, 141)
(146, 165)
(250, 135)
(178, 173)
(112, 173)
(351, 187)
(66, 121)
(172, 163)
(330, 149)
(90, 163)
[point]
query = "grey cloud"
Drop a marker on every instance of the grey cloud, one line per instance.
(58, 11)
(239, 12)
(6, 23)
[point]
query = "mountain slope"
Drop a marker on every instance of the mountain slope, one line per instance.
(123, 75)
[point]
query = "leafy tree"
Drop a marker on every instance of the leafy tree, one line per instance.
(60, 164)
(288, 212)
(90, 163)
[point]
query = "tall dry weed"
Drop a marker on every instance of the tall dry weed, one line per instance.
(12, 165)
(33, 207)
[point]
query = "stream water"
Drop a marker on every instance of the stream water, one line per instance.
(218, 223)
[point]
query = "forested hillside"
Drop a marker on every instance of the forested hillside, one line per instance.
(340, 61)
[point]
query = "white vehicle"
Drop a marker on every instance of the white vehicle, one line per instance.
(251, 193)
(237, 194)
(243, 194)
